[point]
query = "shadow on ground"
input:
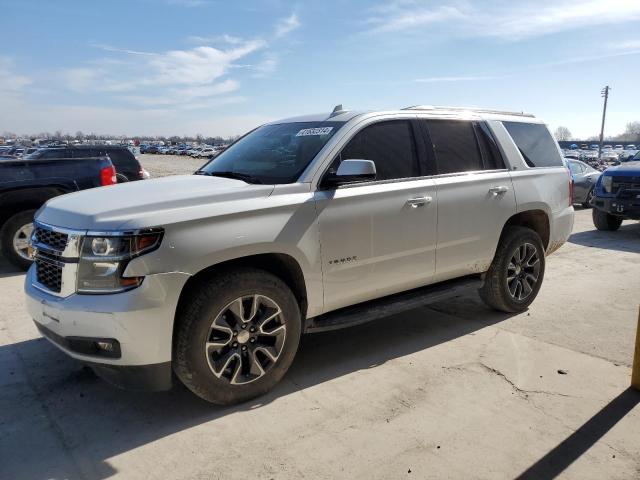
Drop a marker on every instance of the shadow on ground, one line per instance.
(8, 270)
(626, 239)
(95, 422)
(569, 450)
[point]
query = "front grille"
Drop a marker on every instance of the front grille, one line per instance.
(54, 240)
(49, 274)
(619, 183)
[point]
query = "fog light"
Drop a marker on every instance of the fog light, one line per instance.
(106, 346)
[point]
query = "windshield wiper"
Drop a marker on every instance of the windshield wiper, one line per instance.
(245, 177)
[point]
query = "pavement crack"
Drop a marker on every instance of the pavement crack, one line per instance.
(501, 375)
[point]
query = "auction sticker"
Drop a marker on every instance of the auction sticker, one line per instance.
(306, 132)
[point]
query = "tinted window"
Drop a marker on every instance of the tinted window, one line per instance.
(535, 144)
(390, 145)
(55, 153)
(119, 158)
(455, 145)
(491, 156)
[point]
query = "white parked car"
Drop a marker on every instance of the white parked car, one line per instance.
(303, 225)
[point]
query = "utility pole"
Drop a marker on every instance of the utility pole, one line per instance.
(604, 93)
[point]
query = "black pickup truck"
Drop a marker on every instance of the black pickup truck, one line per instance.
(26, 184)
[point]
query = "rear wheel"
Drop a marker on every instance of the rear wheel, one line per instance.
(605, 221)
(15, 236)
(515, 275)
(236, 336)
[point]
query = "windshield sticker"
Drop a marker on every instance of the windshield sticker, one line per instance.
(306, 132)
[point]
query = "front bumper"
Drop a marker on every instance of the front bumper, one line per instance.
(621, 207)
(139, 321)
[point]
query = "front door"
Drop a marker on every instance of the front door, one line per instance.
(378, 238)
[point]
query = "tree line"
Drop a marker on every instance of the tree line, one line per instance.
(93, 137)
(630, 134)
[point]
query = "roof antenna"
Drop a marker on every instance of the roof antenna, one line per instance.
(337, 110)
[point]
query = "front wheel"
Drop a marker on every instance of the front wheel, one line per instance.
(589, 200)
(515, 275)
(237, 336)
(15, 236)
(605, 221)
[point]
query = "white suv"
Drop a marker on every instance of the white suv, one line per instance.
(302, 225)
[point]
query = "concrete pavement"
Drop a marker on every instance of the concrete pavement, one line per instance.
(450, 391)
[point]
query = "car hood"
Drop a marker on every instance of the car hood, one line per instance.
(626, 169)
(151, 203)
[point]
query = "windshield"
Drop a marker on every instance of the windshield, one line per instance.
(273, 153)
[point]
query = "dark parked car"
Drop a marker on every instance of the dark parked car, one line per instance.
(26, 184)
(127, 166)
(584, 179)
(617, 196)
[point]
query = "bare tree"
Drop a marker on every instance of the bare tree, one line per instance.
(562, 133)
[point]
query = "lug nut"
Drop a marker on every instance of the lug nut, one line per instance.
(235, 334)
(244, 326)
(253, 340)
(244, 347)
(252, 329)
(235, 345)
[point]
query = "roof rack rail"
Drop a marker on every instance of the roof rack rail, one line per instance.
(470, 109)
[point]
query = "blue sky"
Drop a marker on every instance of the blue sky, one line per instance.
(220, 68)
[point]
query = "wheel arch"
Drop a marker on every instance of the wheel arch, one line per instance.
(536, 220)
(283, 266)
(15, 201)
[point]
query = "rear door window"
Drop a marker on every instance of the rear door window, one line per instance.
(535, 144)
(455, 146)
(390, 145)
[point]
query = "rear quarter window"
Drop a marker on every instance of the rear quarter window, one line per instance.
(535, 144)
(122, 158)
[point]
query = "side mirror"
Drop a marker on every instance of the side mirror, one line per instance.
(351, 171)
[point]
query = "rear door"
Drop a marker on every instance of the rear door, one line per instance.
(475, 195)
(378, 237)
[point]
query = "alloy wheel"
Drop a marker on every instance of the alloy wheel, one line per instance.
(523, 271)
(246, 339)
(21, 240)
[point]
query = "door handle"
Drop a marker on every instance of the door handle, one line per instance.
(498, 190)
(418, 201)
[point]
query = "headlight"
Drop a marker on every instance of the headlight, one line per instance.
(607, 183)
(103, 260)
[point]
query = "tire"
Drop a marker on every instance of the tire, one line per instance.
(605, 221)
(228, 370)
(15, 232)
(511, 285)
(121, 178)
(587, 202)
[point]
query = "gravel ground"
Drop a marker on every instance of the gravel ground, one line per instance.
(164, 165)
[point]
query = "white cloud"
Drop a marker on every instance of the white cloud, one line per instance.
(507, 20)
(10, 82)
(287, 25)
(175, 77)
(267, 66)
(473, 78)
(215, 39)
(201, 65)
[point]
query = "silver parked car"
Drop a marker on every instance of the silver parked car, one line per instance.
(303, 225)
(584, 181)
